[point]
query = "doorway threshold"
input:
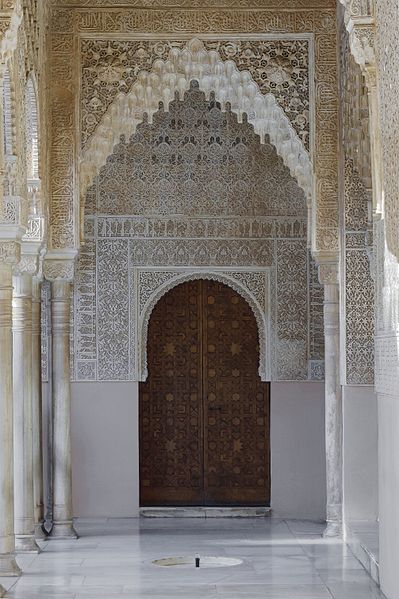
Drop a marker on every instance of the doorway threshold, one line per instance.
(205, 512)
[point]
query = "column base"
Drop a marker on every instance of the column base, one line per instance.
(62, 530)
(2, 591)
(8, 566)
(333, 529)
(39, 532)
(26, 544)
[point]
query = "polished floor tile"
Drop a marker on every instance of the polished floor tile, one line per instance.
(281, 559)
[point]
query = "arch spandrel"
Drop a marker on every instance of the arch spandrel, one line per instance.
(230, 86)
(195, 161)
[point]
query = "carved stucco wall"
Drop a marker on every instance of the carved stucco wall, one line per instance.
(130, 20)
(357, 288)
(387, 20)
(195, 194)
(387, 227)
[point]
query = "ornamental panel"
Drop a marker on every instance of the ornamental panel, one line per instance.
(359, 284)
(175, 20)
(139, 244)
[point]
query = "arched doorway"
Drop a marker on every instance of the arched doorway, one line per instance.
(204, 412)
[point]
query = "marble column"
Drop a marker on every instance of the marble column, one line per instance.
(38, 485)
(333, 400)
(23, 433)
(62, 468)
(8, 566)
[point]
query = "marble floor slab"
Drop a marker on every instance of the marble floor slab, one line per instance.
(363, 540)
(112, 559)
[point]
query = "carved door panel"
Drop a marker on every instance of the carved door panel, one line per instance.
(171, 455)
(236, 403)
(204, 413)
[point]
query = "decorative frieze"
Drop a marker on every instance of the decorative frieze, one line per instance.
(195, 227)
(209, 252)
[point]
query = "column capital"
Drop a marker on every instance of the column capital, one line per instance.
(10, 252)
(29, 261)
(59, 266)
(360, 24)
(362, 40)
(329, 273)
(328, 267)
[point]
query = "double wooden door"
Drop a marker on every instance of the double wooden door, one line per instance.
(204, 412)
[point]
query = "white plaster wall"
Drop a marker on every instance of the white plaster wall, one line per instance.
(298, 450)
(360, 453)
(105, 449)
(105, 460)
(388, 462)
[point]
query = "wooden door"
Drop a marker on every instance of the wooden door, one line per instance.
(204, 412)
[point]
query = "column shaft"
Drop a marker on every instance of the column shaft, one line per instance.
(8, 566)
(62, 470)
(375, 139)
(37, 410)
(23, 440)
(333, 411)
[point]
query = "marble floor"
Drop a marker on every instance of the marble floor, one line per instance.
(363, 540)
(282, 559)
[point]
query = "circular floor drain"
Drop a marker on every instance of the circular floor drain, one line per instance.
(204, 562)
